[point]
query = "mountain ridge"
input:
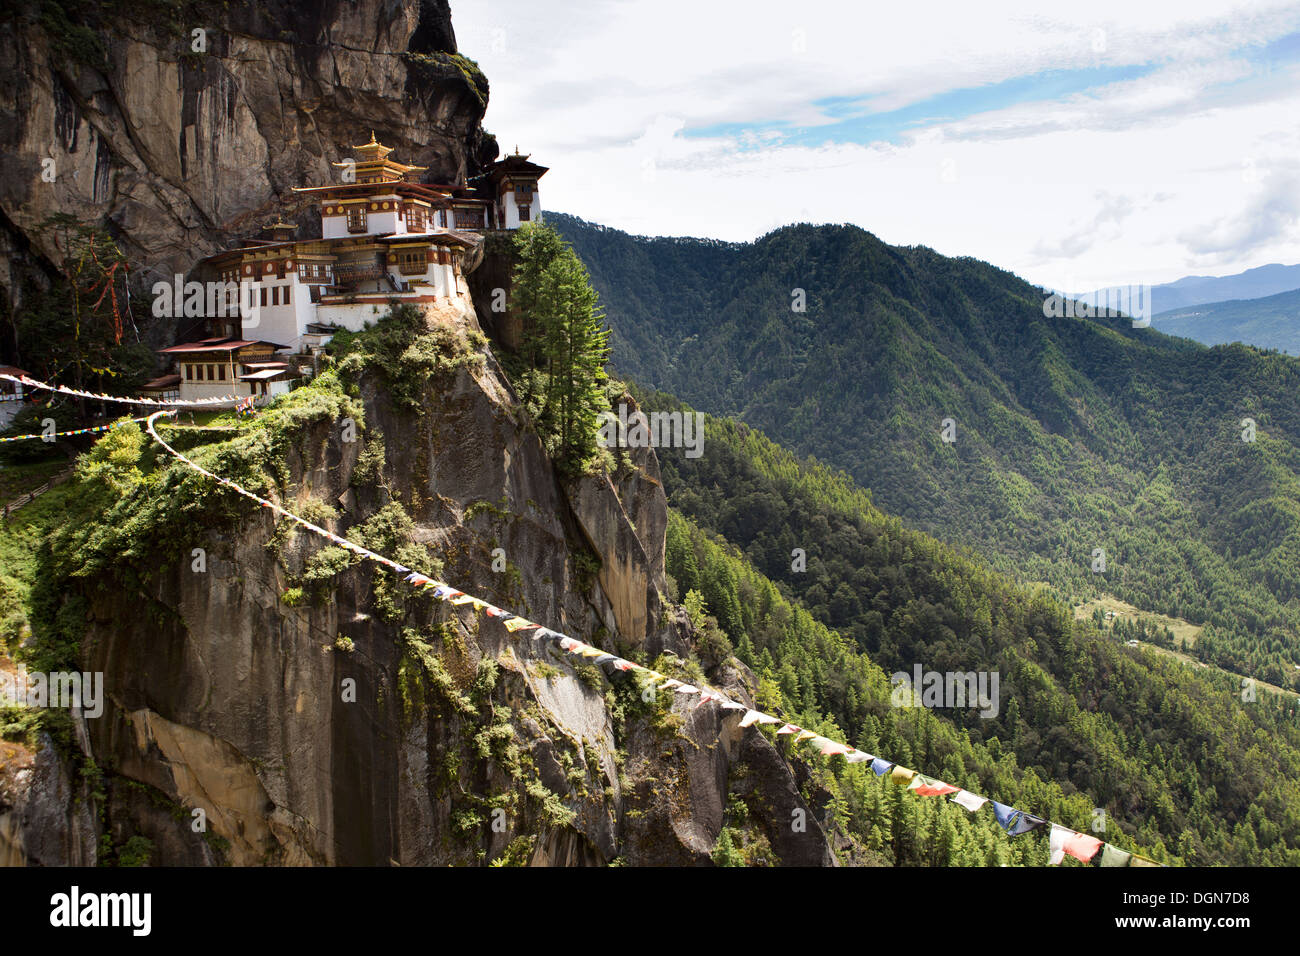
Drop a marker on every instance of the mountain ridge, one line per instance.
(1072, 436)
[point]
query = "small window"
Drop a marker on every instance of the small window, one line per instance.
(286, 295)
(356, 218)
(221, 372)
(263, 296)
(524, 214)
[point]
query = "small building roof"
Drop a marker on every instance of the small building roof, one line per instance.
(217, 345)
(515, 164)
(162, 383)
(446, 235)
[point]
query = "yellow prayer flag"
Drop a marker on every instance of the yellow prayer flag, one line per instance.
(902, 776)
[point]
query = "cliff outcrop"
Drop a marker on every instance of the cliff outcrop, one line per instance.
(313, 710)
(177, 141)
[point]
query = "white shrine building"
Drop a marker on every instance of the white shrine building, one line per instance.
(384, 236)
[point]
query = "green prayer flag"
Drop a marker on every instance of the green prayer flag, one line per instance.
(1113, 856)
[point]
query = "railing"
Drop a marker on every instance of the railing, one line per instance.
(35, 493)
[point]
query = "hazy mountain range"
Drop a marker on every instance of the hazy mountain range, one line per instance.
(1259, 307)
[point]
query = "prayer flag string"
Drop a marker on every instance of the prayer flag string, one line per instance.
(1063, 840)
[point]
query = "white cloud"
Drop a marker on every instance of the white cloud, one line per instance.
(1139, 181)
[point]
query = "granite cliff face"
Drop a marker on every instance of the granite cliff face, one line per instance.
(363, 724)
(118, 120)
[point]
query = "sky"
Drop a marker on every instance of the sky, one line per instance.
(1113, 142)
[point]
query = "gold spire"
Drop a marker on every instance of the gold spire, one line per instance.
(373, 165)
(372, 150)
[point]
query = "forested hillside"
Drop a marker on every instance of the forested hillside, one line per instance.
(1270, 322)
(1172, 753)
(1074, 439)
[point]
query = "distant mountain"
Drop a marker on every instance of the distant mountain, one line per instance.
(1272, 322)
(1084, 452)
(1251, 284)
(1198, 290)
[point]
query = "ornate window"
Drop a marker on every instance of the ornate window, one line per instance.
(412, 262)
(357, 218)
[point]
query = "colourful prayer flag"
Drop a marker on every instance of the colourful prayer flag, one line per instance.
(880, 767)
(1014, 821)
(925, 786)
(1114, 856)
(829, 748)
(1078, 845)
(901, 776)
(518, 624)
(788, 729)
(970, 801)
(858, 756)
(750, 718)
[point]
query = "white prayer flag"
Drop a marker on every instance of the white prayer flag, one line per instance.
(970, 801)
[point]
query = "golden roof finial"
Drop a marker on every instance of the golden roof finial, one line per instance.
(372, 150)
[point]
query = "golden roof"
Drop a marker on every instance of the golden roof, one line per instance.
(373, 156)
(374, 147)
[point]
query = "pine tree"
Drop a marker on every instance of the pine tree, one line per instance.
(565, 344)
(725, 852)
